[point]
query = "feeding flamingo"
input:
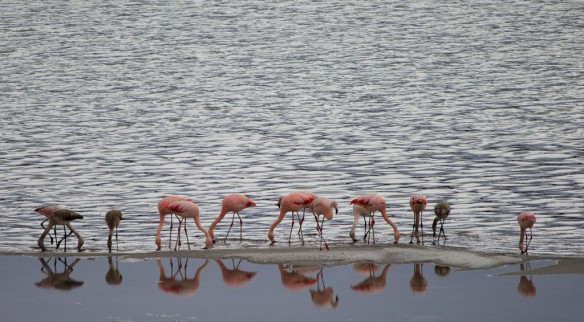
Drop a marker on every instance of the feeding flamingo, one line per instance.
(442, 211)
(293, 203)
(358, 212)
(373, 203)
(163, 210)
(322, 206)
(62, 216)
(184, 208)
(417, 204)
(47, 211)
(231, 203)
(112, 219)
(525, 220)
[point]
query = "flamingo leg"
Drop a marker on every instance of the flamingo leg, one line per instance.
(528, 241)
(365, 228)
(230, 226)
(170, 236)
(187, 235)
(321, 236)
(422, 225)
(372, 227)
(291, 228)
(50, 236)
(300, 224)
(412, 235)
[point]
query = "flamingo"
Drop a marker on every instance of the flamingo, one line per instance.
(361, 211)
(163, 210)
(293, 203)
(234, 277)
(62, 216)
(442, 211)
(231, 203)
(525, 220)
(373, 203)
(47, 211)
(184, 208)
(417, 204)
(112, 219)
(322, 206)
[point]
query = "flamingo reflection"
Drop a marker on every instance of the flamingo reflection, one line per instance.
(113, 276)
(178, 283)
(325, 297)
(526, 287)
(365, 268)
(418, 283)
(234, 277)
(295, 279)
(373, 284)
(442, 271)
(55, 280)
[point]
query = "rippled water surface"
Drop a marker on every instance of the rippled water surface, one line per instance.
(117, 104)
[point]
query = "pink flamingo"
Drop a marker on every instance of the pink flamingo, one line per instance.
(185, 209)
(417, 204)
(293, 203)
(112, 219)
(62, 216)
(525, 220)
(47, 211)
(442, 211)
(231, 203)
(358, 212)
(163, 210)
(322, 206)
(373, 203)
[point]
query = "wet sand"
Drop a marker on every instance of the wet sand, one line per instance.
(344, 255)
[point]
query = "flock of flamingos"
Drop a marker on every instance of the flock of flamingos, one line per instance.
(182, 208)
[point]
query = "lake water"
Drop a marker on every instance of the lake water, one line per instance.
(116, 104)
(175, 289)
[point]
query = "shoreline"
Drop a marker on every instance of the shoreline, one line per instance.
(342, 255)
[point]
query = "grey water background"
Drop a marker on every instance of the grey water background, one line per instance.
(116, 104)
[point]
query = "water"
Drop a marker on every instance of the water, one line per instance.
(118, 104)
(199, 289)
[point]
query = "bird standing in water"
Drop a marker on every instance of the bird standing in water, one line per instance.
(373, 203)
(185, 209)
(322, 206)
(112, 219)
(417, 204)
(163, 210)
(47, 211)
(442, 211)
(62, 216)
(526, 221)
(231, 203)
(293, 203)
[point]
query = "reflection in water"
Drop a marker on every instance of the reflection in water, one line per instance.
(113, 276)
(418, 283)
(442, 271)
(294, 279)
(234, 277)
(178, 283)
(365, 268)
(325, 297)
(526, 287)
(372, 284)
(55, 280)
